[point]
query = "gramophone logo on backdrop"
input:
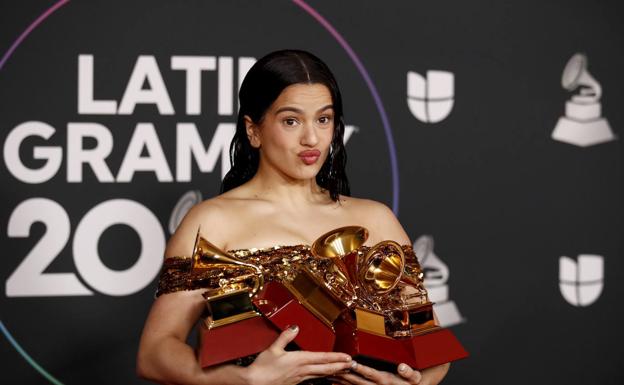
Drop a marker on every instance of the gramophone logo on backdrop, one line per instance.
(436, 276)
(582, 124)
(184, 204)
(430, 100)
(581, 281)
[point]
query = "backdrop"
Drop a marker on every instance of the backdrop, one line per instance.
(490, 127)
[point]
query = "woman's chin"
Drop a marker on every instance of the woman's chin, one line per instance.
(306, 173)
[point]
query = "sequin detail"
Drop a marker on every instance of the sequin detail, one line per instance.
(277, 263)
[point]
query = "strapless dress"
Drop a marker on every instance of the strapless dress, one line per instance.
(177, 274)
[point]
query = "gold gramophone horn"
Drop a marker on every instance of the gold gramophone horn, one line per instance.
(338, 244)
(382, 268)
(208, 256)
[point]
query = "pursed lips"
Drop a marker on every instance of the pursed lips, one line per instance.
(309, 156)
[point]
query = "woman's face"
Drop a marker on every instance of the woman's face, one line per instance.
(295, 135)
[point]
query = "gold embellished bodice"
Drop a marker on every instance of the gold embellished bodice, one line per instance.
(177, 274)
(279, 263)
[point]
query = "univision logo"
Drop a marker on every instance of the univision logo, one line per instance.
(581, 281)
(430, 100)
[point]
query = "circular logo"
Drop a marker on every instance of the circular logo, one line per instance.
(106, 132)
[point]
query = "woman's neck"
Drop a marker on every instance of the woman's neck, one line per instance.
(270, 184)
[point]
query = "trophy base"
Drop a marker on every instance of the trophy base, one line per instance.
(583, 133)
(282, 309)
(232, 341)
(376, 351)
(433, 348)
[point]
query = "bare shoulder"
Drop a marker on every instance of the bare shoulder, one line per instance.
(378, 218)
(362, 203)
(366, 207)
(208, 217)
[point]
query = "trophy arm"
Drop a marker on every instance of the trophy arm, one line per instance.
(207, 256)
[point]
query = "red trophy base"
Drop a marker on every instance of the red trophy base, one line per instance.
(282, 309)
(435, 348)
(385, 353)
(235, 340)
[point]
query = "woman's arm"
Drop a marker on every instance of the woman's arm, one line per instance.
(163, 354)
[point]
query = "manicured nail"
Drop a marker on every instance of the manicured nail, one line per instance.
(349, 358)
(402, 368)
(354, 365)
(293, 328)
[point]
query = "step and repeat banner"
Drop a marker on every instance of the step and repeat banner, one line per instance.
(491, 128)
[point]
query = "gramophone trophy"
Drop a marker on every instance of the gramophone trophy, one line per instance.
(245, 314)
(367, 302)
(387, 324)
(306, 302)
(583, 124)
(233, 327)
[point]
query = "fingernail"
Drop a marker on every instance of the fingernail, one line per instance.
(354, 365)
(348, 358)
(293, 328)
(402, 368)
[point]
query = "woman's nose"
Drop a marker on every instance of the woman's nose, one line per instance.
(309, 136)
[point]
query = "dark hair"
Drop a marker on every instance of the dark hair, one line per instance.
(264, 82)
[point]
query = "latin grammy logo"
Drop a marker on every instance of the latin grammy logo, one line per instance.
(436, 277)
(582, 124)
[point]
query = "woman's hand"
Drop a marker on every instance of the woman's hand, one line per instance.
(364, 375)
(278, 366)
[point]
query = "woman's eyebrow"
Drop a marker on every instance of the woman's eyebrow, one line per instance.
(299, 110)
(291, 109)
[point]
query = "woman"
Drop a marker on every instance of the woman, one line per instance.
(287, 186)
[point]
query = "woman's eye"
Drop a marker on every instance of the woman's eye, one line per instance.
(324, 119)
(290, 121)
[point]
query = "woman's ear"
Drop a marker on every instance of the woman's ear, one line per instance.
(252, 132)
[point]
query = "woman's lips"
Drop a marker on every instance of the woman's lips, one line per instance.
(309, 156)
